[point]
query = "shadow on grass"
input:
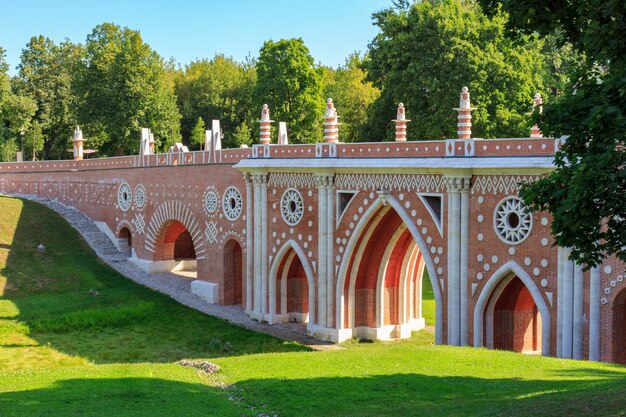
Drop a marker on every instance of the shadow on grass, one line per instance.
(423, 395)
(51, 294)
(118, 397)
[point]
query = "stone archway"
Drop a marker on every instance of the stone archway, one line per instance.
(125, 241)
(233, 273)
(379, 288)
(490, 299)
(516, 319)
(619, 328)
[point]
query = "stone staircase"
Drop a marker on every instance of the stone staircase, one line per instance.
(95, 238)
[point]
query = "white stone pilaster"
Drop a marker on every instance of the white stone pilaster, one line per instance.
(464, 278)
(264, 258)
(457, 260)
(568, 304)
(323, 182)
(249, 244)
(594, 314)
(577, 308)
(330, 272)
(559, 304)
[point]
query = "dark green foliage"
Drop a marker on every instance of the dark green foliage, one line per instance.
(290, 84)
(425, 53)
(46, 74)
(123, 86)
(585, 194)
(217, 89)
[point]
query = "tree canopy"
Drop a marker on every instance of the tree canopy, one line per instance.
(291, 85)
(585, 194)
(220, 88)
(123, 86)
(427, 51)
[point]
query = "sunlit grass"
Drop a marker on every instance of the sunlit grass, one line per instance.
(65, 352)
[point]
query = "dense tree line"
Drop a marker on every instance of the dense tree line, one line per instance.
(114, 83)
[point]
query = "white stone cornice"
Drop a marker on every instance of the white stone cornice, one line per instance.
(457, 183)
(259, 178)
(324, 180)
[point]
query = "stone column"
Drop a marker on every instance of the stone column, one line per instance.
(577, 308)
(568, 307)
(330, 253)
(457, 280)
(322, 248)
(464, 266)
(249, 244)
(260, 244)
(594, 314)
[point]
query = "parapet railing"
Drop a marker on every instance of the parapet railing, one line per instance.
(449, 148)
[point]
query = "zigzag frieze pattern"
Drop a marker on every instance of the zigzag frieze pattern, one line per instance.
(174, 210)
(500, 184)
(291, 179)
(389, 182)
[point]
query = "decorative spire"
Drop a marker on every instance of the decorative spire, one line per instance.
(265, 122)
(331, 125)
(78, 144)
(537, 102)
(400, 122)
(464, 124)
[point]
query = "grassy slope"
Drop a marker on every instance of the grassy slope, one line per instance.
(65, 352)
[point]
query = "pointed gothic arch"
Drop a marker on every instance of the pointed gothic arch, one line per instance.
(346, 309)
(494, 287)
(288, 259)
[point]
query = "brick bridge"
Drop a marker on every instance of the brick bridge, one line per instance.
(344, 237)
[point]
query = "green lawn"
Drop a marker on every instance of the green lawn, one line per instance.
(64, 352)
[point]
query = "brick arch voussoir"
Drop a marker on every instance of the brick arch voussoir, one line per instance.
(167, 212)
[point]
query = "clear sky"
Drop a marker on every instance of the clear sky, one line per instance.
(186, 29)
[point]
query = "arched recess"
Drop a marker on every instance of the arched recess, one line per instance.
(233, 272)
(125, 241)
(490, 295)
(388, 230)
(174, 243)
(292, 286)
(619, 328)
(163, 215)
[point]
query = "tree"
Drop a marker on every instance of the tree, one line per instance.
(585, 193)
(33, 141)
(352, 96)
(241, 136)
(290, 84)
(198, 133)
(46, 75)
(220, 88)
(122, 86)
(425, 53)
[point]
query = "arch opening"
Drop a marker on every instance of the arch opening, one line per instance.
(233, 273)
(125, 241)
(384, 281)
(175, 250)
(619, 328)
(292, 289)
(513, 319)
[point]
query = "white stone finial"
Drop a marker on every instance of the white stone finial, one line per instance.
(78, 134)
(535, 132)
(464, 103)
(401, 115)
(265, 113)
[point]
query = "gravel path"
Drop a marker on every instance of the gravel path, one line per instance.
(176, 286)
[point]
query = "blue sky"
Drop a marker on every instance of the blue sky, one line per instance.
(186, 30)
